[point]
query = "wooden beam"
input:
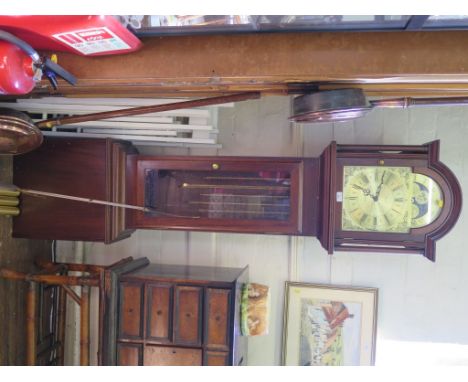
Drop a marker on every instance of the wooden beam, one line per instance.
(64, 280)
(271, 62)
(31, 338)
(12, 275)
(71, 293)
(61, 319)
(84, 327)
(75, 267)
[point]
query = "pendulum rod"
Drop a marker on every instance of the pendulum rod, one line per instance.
(244, 196)
(240, 203)
(245, 212)
(86, 200)
(101, 202)
(245, 178)
(234, 187)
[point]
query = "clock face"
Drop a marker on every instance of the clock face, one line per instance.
(388, 199)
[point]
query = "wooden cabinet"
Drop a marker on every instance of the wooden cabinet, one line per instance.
(228, 194)
(175, 315)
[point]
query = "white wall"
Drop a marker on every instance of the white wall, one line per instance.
(419, 301)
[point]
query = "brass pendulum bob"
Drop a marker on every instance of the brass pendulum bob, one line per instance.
(9, 201)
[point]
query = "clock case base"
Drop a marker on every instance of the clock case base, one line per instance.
(87, 168)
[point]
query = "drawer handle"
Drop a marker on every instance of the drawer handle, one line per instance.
(159, 312)
(218, 318)
(188, 315)
(215, 166)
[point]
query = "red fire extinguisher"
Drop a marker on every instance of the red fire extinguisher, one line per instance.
(86, 35)
(21, 66)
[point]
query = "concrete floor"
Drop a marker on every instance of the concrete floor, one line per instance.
(16, 254)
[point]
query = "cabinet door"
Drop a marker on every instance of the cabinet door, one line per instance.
(131, 315)
(129, 355)
(222, 195)
(217, 318)
(172, 356)
(187, 315)
(159, 320)
(216, 358)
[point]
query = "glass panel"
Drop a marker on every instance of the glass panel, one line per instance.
(337, 22)
(195, 20)
(446, 21)
(260, 195)
(188, 24)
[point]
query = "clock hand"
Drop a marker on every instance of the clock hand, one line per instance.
(365, 191)
(379, 188)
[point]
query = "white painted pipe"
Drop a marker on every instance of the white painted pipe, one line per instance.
(72, 327)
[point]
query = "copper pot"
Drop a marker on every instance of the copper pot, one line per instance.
(18, 134)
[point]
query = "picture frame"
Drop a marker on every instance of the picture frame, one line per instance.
(327, 325)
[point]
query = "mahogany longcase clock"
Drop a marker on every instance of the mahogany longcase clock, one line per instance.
(353, 198)
(386, 198)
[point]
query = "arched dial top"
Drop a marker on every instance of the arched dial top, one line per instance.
(388, 199)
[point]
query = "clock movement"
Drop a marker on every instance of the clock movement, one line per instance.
(397, 199)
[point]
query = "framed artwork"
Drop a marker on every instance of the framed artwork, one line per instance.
(327, 325)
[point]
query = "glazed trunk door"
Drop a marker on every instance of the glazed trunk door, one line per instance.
(219, 196)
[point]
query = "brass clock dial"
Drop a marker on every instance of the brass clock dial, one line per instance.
(388, 199)
(376, 198)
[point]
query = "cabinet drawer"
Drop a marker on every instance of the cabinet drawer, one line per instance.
(159, 321)
(131, 316)
(216, 358)
(129, 355)
(172, 356)
(187, 315)
(217, 322)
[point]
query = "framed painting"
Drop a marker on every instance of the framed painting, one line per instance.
(327, 325)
